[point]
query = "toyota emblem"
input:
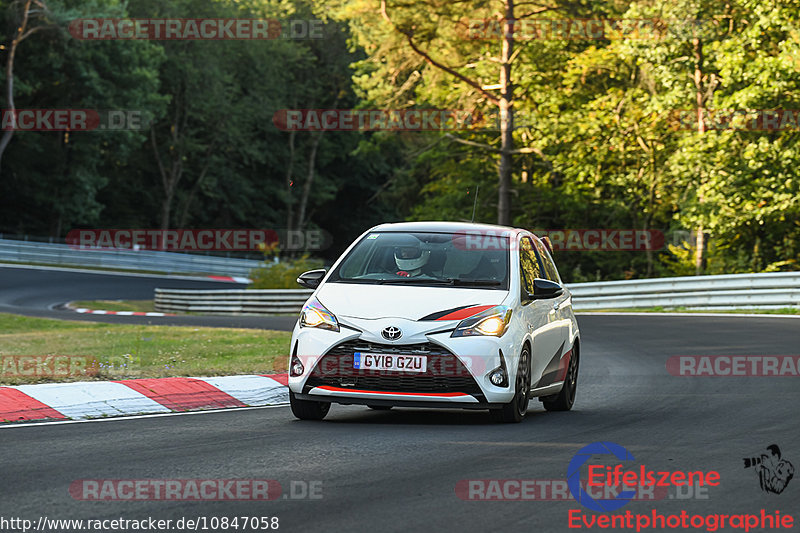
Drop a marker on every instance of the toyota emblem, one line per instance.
(391, 333)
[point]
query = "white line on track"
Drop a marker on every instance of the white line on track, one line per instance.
(135, 417)
(720, 315)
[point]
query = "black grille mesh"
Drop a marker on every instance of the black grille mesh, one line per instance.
(444, 372)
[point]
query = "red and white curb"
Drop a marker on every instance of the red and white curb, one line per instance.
(120, 313)
(232, 279)
(98, 399)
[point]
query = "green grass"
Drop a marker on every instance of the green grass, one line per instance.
(134, 351)
(783, 311)
(146, 306)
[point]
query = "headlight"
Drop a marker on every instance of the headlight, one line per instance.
(493, 322)
(314, 315)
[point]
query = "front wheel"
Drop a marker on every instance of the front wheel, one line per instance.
(564, 400)
(515, 410)
(307, 409)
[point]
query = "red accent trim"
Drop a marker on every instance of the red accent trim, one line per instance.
(564, 365)
(16, 405)
(431, 394)
(182, 394)
(461, 314)
(222, 278)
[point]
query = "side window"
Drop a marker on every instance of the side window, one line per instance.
(528, 264)
(547, 263)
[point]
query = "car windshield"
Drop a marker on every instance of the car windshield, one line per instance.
(426, 259)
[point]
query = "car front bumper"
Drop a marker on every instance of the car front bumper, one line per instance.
(456, 377)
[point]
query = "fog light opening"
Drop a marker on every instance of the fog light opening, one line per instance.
(296, 368)
(498, 377)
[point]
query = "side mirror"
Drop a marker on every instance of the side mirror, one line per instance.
(544, 289)
(312, 278)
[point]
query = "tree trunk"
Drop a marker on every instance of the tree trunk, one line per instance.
(700, 242)
(185, 212)
(506, 107)
(10, 78)
(290, 184)
(166, 208)
(312, 159)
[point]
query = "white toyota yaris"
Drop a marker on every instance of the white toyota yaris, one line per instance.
(436, 314)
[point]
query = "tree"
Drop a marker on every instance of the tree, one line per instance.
(31, 17)
(420, 51)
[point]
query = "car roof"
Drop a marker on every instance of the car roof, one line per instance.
(444, 227)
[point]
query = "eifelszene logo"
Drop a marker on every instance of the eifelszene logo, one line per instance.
(574, 476)
(774, 473)
(610, 477)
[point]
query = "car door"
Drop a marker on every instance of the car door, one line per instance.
(560, 316)
(539, 316)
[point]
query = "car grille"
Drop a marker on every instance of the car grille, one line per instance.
(444, 372)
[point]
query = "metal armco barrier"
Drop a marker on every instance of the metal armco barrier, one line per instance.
(773, 290)
(232, 301)
(735, 291)
(149, 260)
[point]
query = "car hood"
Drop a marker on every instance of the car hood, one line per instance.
(410, 302)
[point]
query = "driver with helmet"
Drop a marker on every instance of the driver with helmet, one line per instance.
(410, 258)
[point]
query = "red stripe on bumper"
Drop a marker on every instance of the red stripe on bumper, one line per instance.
(16, 405)
(182, 394)
(431, 394)
(465, 313)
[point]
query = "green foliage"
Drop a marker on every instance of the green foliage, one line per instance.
(283, 275)
(593, 118)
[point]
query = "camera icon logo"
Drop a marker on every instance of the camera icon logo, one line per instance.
(774, 472)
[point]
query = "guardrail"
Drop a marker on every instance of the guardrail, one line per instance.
(735, 291)
(773, 290)
(232, 301)
(149, 260)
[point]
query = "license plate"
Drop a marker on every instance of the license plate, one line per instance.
(397, 363)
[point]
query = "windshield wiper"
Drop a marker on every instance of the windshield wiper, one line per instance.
(402, 281)
(477, 282)
(454, 282)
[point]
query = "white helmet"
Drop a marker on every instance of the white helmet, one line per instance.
(411, 257)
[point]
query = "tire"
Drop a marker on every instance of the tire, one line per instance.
(380, 407)
(308, 410)
(564, 400)
(515, 410)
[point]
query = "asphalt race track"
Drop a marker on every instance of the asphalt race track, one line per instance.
(397, 470)
(39, 292)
